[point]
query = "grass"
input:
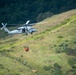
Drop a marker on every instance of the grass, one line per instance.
(42, 55)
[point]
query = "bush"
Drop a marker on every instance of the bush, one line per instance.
(60, 36)
(73, 66)
(58, 72)
(57, 66)
(47, 68)
(74, 73)
(71, 51)
(55, 46)
(74, 42)
(57, 69)
(59, 50)
(72, 61)
(25, 62)
(63, 45)
(70, 71)
(1, 66)
(66, 40)
(42, 16)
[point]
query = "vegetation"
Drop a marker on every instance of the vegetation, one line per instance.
(52, 50)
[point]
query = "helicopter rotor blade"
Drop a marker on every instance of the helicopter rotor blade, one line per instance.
(27, 22)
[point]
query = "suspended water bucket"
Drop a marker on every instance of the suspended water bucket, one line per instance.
(26, 49)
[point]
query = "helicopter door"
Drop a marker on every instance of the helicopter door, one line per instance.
(23, 30)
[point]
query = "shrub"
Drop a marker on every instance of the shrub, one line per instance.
(57, 66)
(74, 42)
(66, 21)
(70, 71)
(66, 40)
(72, 61)
(71, 51)
(25, 62)
(2, 52)
(1, 66)
(57, 69)
(54, 45)
(73, 66)
(47, 68)
(60, 36)
(63, 45)
(59, 50)
(74, 73)
(58, 72)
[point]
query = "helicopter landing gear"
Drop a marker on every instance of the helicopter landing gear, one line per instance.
(31, 32)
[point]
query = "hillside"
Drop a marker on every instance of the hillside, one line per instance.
(52, 50)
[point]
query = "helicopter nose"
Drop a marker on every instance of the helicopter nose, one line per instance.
(34, 29)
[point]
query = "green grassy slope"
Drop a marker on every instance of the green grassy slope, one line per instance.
(52, 50)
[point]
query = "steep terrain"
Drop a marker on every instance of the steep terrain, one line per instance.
(52, 50)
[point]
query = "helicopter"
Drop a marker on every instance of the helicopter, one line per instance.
(26, 28)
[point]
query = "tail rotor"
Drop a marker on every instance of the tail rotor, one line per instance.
(4, 25)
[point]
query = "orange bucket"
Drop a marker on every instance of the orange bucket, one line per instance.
(26, 49)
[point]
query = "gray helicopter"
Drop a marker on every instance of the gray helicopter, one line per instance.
(26, 28)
